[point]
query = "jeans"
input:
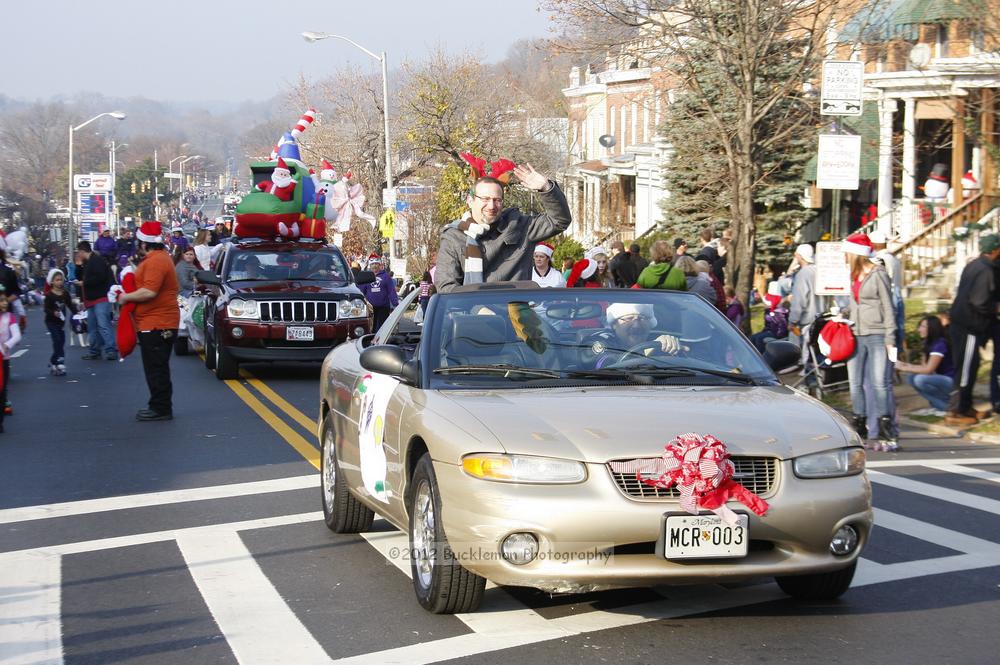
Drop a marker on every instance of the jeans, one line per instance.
(871, 362)
(155, 346)
(102, 332)
(58, 334)
(935, 388)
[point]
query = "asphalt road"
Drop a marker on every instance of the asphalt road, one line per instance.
(199, 541)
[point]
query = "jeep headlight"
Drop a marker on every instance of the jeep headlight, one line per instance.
(830, 464)
(242, 309)
(524, 468)
(352, 309)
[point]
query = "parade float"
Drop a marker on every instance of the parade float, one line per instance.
(290, 201)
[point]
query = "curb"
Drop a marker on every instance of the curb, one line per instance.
(980, 437)
(934, 427)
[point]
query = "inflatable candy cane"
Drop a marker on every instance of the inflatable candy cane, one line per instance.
(305, 120)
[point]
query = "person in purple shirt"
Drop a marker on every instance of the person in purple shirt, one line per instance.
(107, 246)
(932, 379)
(381, 293)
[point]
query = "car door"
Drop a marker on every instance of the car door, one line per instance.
(374, 466)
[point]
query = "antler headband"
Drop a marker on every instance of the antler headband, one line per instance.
(499, 170)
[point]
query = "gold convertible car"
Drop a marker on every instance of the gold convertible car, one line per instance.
(518, 436)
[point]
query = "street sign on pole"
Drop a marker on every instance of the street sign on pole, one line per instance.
(172, 176)
(833, 278)
(840, 93)
(389, 197)
(838, 165)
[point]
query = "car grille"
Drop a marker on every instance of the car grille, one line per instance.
(757, 474)
(297, 311)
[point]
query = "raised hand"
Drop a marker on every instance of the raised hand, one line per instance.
(530, 178)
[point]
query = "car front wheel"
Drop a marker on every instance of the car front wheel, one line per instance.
(818, 586)
(442, 585)
(342, 511)
(209, 352)
(226, 367)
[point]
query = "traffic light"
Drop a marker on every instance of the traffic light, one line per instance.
(149, 185)
(133, 188)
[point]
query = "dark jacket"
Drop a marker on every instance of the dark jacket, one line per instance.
(507, 246)
(623, 270)
(106, 247)
(974, 308)
(381, 292)
(97, 278)
(55, 304)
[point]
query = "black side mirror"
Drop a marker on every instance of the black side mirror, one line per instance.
(364, 277)
(391, 360)
(208, 277)
(780, 355)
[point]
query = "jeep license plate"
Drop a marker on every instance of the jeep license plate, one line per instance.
(299, 333)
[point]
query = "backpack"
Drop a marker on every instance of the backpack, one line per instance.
(836, 341)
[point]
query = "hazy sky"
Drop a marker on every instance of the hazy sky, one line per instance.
(201, 50)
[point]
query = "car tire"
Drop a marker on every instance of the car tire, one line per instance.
(342, 511)
(440, 582)
(181, 347)
(226, 367)
(209, 352)
(818, 586)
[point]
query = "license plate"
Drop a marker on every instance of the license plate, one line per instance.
(299, 333)
(704, 537)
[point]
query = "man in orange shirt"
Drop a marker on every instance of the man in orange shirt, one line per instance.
(156, 318)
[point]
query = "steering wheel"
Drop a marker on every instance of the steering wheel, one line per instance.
(638, 350)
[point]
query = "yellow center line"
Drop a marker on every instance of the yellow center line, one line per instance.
(294, 439)
(302, 419)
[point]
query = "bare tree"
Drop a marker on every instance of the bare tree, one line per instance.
(736, 39)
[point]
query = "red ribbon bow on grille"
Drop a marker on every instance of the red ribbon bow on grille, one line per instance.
(701, 469)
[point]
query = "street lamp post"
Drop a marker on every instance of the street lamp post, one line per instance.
(112, 163)
(170, 168)
(71, 231)
(315, 37)
(184, 161)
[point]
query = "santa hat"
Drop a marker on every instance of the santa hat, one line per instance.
(52, 273)
(774, 294)
(544, 248)
(836, 341)
(327, 172)
(969, 181)
(582, 270)
(858, 244)
(150, 232)
(807, 253)
(617, 310)
(281, 165)
(595, 251)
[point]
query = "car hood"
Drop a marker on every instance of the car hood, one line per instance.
(595, 424)
(288, 287)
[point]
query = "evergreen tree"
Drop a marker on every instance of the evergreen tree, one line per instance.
(696, 174)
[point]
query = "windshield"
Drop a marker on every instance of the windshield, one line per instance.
(511, 339)
(299, 265)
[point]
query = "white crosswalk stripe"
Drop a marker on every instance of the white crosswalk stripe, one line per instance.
(260, 627)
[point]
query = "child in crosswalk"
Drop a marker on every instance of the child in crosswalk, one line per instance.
(10, 335)
(58, 306)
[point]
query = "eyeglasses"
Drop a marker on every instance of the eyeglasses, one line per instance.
(488, 199)
(629, 318)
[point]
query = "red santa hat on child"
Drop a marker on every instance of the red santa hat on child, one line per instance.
(582, 270)
(858, 244)
(150, 232)
(544, 248)
(52, 274)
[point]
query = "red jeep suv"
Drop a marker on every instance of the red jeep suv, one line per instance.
(279, 301)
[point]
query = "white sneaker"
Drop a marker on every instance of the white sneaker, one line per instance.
(928, 411)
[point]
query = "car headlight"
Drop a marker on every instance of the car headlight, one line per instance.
(242, 309)
(830, 464)
(352, 309)
(524, 468)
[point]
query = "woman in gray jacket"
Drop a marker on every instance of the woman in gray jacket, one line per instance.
(874, 322)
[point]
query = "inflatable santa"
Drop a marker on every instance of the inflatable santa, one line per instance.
(282, 185)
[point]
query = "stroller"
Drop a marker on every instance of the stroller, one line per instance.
(819, 374)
